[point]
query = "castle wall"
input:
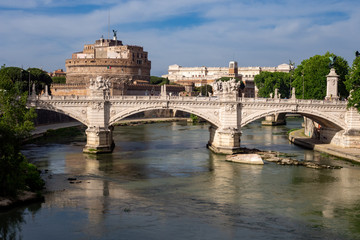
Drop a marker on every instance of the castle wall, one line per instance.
(79, 71)
(108, 58)
(69, 89)
(115, 89)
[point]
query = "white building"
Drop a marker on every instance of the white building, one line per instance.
(206, 75)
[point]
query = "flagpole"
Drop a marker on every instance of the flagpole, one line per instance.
(109, 25)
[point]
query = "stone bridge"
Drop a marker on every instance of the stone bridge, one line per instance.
(225, 111)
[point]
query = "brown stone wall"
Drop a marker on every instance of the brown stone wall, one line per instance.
(80, 71)
(69, 89)
(115, 89)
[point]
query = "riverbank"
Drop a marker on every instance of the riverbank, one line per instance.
(23, 198)
(299, 138)
(126, 122)
(41, 130)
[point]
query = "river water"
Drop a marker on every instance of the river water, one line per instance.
(162, 183)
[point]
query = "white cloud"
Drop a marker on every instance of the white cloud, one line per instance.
(253, 33)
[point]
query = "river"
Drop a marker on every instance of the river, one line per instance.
(161, 182)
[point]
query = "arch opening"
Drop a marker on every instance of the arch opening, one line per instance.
(324, 128)
(324, 121)
(50, 108)
(45, 116)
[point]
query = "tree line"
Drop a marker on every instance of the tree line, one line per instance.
(16, 123)
(309, 79)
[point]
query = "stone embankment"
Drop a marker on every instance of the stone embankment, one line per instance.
(299, 138)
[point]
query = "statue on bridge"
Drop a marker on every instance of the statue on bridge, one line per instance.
(99, 87)
(220, 87)
(332, 61)
(99, 83)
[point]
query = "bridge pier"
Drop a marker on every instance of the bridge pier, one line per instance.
(224, 141)
(351, 137)
(99, 140)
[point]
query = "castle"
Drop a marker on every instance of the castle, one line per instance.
(127, 67)
(108, 58)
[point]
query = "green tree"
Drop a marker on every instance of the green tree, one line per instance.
(158, 80)
(353, 84)
(14, 76)
(267, 82)
(60, 80)
(310, 76)
(16, 122)
(40, 78)
(20, 78)
(204, 90)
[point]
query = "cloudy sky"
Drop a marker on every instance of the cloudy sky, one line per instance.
(43, 33)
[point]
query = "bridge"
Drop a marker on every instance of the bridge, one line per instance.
(226, 112)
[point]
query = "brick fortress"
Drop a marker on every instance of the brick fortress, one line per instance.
(127, 67)
(108, 58)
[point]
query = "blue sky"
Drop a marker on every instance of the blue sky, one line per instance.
(43, 33)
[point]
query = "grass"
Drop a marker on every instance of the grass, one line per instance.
(292, 130)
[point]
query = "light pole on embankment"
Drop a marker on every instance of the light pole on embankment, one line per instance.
(303, 83)
(29, 81)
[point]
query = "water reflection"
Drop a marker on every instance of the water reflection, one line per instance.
(161, 181)
(11, 221)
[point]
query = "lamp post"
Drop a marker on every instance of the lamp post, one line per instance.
(303, 83)
(29, 81)
(292, 68)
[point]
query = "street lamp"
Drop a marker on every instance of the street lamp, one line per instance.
(303, 83)
(29, 81)
(292, 68)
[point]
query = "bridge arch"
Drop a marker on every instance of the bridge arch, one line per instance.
(70, 113)
(128, 112)
(325, 119)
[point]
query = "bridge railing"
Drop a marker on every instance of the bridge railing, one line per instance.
(291, 101)
(172, 98)
(195, 99)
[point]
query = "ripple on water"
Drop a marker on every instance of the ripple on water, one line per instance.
(162, 182)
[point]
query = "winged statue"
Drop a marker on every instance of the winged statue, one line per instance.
(332, 61)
